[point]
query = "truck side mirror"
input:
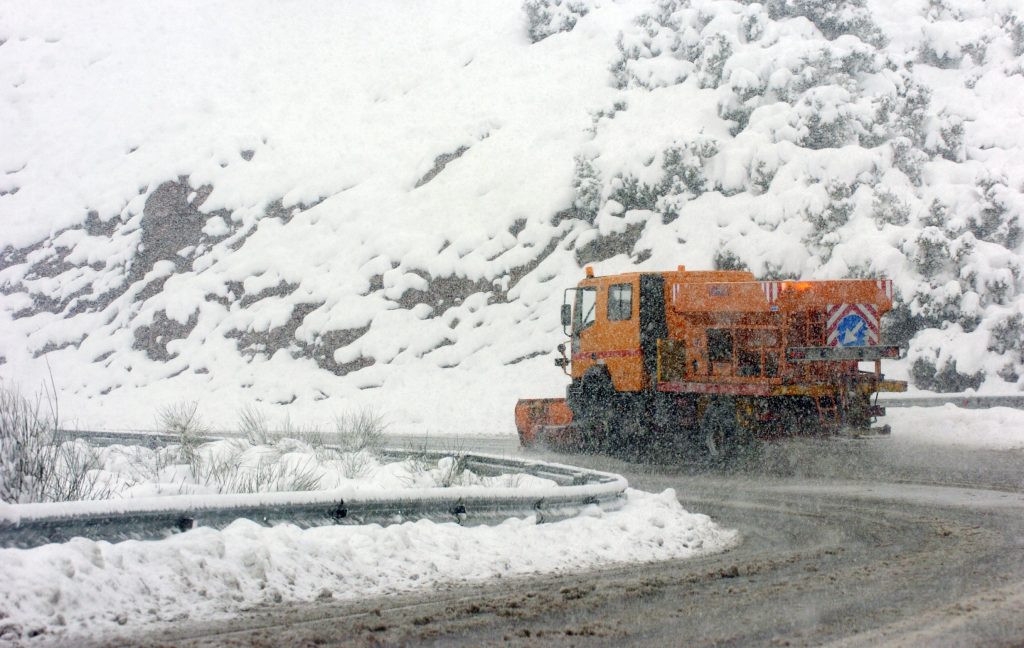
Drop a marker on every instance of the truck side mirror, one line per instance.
(566, 315)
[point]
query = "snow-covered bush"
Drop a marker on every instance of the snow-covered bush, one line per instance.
(1014, 25)
(683, 166)
(361, 430)
(1007, 335)
(548, 17)
(929, 252)
(183, 419)
(998, 218)
(1006, 338)
(948, 138)
(29, 446)
(727, 260)
(944, 377)
(889, 208)
(711, 56)
(827, 219)
(36, 463)
(587, 191)
(833, 17)
(631, 193)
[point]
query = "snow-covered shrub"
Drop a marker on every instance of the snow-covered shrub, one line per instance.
(929, 252)
(77, 474)
(977, 50)
(889, 208)
(683, 166)
(683, 177)
(948, 137)
(907, 158)
(238, 467)
(998, 219)
(906, 110)
(728, 260)
(631, 193)
(183, 419)
(988, 269)
(946, 378)
(1007, 335)
(253, 423)
(295, 435)
(360, 431)
(713, 53)
(355, 465)
(824, 118)
(753, 23)
(586, 191)
(937, 215)
(744, 96)
(826, 221)
(28, 447)
(944, 58)
(761, 174)
(36, 464)
(548, 17)
(1014, 25)
(833, 17)
(451, 471)
(899, 325)
(1006, 338)
(652, 37)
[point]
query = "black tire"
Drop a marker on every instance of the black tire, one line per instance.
(630, 428)
(719, 431)
(592, 402)
(858, 412)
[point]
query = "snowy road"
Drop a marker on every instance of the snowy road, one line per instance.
(857, 543)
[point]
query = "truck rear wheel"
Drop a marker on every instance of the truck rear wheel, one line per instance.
(631, 428)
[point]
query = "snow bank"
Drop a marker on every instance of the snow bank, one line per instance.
(81, 587)
(998, 428)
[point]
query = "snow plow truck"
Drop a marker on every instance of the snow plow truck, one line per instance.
(713, 360)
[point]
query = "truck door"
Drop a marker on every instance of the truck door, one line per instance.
(606, 331)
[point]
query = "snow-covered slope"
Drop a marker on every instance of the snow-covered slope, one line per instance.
(326, 204)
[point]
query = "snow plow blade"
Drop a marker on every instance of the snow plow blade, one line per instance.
(541, 418)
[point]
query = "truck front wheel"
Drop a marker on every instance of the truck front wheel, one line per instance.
(592, 402)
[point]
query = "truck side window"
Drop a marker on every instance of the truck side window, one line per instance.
(719, 345)
(620, 302)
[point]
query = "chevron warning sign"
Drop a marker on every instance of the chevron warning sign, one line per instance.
(852, 325)
(771, 290)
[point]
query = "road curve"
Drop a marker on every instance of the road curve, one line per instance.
(849, 543)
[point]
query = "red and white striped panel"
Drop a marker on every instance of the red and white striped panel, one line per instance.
(885, 285)
(852, 325)
(771, 290)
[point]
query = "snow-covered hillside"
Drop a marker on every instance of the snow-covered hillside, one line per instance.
(324, 204)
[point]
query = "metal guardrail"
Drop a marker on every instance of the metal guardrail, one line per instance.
(30, 525)
(147, 439)
(960, 400)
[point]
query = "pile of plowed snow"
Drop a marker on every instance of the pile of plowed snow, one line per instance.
(79, 588)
